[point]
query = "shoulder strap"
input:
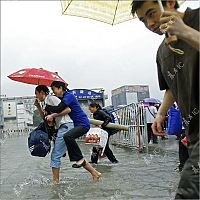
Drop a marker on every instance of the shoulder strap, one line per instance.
(151, 112)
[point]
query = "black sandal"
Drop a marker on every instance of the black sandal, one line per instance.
(75, 165)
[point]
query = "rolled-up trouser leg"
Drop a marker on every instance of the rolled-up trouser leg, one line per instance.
(188, 187)
(74, 151)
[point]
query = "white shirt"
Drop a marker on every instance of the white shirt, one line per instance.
(151, 112)
(54, 101)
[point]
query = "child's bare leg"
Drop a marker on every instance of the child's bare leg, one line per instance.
(55, 172)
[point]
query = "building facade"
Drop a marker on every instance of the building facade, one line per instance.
(129, 94)
(18, 112)
(1, 114)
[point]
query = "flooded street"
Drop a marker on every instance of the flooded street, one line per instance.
(137, 175)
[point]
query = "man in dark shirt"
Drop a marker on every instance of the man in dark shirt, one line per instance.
(178, 75)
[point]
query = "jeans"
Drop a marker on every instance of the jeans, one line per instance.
(59, 148)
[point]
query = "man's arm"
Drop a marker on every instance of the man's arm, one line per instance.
(192, 37)
(160, 117)
(168, 101)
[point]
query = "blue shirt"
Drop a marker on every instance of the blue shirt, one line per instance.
(77, 115)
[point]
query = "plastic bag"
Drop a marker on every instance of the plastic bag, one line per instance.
(97, 136)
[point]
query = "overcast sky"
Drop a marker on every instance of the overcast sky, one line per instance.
(86, 53)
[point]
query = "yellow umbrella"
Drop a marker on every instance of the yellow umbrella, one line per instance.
(110, 12)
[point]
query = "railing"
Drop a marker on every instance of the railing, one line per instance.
(6, 133)
(132, 115)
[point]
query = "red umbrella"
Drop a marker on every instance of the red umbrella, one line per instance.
(36, 76)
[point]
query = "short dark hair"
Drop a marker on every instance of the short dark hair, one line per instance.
(95, 105)
(43, 88)
(59, 84)
(136, 4)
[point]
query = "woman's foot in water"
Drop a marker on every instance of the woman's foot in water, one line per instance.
(96, 175)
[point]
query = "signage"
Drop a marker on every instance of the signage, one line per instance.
(86, 94)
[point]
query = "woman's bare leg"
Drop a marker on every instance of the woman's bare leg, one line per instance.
(96, 175)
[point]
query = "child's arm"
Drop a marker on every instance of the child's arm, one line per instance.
(37, 104)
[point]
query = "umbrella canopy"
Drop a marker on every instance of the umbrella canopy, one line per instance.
(108, 11)
(36, 76)
(111, 12)
(151, 100)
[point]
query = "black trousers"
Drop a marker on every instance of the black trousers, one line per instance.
(183, 153)
(108, 152)
(150, 133)
(188, 187)
(70, 137)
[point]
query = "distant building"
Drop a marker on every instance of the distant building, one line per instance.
(129, 94)
(1, 114)
(86, 96)
(18, 112)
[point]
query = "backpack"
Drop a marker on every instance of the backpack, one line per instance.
(111, 131)
(39, 142)
(110, 114)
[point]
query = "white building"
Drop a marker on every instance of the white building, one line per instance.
(129, 94)
(18, 112)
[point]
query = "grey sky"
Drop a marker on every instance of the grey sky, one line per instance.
(86, 53)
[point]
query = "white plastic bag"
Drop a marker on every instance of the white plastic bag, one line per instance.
(97, 136)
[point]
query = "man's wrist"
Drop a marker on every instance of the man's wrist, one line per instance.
(160, 115)
(186, 33)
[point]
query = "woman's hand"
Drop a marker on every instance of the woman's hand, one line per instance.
(49, 117)
(172, 23)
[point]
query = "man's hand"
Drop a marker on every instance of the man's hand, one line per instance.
(172, 23)
(157, 125)
(36, 103)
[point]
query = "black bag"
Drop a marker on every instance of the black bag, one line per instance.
(39, 142)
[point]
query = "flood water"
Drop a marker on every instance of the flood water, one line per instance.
(137, 176)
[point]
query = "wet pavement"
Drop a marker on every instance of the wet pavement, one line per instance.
(137, 176)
